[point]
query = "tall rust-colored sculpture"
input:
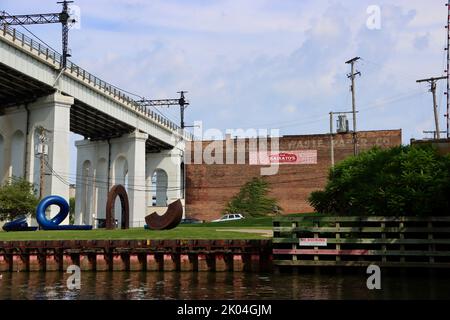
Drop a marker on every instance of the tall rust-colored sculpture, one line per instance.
(117, 191)
(171, 219)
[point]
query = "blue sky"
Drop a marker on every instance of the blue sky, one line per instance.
(264, 63)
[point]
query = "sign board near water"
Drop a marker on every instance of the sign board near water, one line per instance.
(313, 242)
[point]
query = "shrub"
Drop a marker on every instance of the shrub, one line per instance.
(17, 198)
(252, 200)
(399, 181)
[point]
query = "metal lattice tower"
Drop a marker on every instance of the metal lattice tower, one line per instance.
(182, 102)
(447, 116)
(62, 17)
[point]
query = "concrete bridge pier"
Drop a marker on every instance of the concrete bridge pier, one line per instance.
(103, 164)
(19, 140)
(152, 180)
(165, 178)
(135, 145)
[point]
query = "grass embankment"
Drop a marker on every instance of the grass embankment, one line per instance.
(130, 234)
(259, 223)
(213, 231)
(183, 231)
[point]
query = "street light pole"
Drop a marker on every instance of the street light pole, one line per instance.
(42, 151)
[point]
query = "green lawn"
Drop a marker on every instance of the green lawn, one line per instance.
(185, 231)
(181, 232)
(247, 223)
(262, 223)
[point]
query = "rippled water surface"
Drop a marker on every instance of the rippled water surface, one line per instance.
(204, 285)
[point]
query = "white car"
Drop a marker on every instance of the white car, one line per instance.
(230, 217)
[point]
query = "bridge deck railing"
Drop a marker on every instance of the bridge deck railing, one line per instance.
(108, 88)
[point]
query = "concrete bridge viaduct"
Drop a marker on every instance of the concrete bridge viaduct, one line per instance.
(124, 143)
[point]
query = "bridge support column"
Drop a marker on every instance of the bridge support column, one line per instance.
(136, 178)
(53, 114)
(169, 165)
(92, 181)
(12, 143)
(124, 159)
(19, 139)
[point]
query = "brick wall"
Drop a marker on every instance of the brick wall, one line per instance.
(210, 186)
(443, 145)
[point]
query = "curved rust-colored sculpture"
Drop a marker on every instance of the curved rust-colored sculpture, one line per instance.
(117, 191)
(171, 219)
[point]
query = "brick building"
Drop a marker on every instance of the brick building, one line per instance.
(210, 186)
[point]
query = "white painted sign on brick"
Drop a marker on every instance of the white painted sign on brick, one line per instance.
(313, 242)
(283, 157)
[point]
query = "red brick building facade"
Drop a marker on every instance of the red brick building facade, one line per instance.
(210, 186)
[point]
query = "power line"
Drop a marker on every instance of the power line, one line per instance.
(392, 100)
(402, 74)
(34, 35)
(101, 181)
(319, 118)
(144, 188)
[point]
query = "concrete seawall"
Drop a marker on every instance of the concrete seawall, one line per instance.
(137, 255)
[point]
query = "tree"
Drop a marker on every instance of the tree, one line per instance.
(406, 180)
(17, 198)
(252, 200)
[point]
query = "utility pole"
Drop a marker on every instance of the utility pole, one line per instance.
(42, 150)
(432, 82)
(352, 76)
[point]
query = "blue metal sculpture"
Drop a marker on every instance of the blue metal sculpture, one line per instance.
(19, 224)
(53, 224)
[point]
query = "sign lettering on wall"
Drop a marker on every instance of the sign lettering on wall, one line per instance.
(283, 157)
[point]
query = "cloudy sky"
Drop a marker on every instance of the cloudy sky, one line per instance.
(264, 63)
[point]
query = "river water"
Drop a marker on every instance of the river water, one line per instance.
(223, 286)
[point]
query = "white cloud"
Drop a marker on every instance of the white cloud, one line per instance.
(245, 61)
(290, 109)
